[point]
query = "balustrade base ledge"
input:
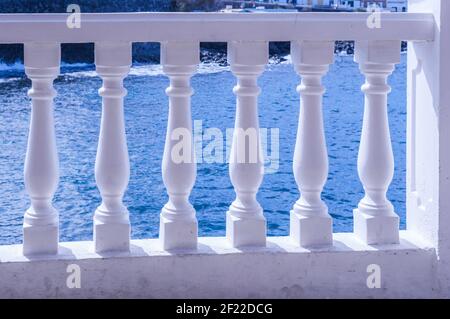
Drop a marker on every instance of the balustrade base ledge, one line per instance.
(217, 270)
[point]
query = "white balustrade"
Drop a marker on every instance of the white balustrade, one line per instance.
(419, 254)
(40, 226)
(112, 168)
(310, 223)
(374, 220)
(178, 224)
(245, 222)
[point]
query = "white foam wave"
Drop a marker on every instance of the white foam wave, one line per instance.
(6, 80)
(85, 70)
(152, 70)
(80, 74)
(16, 66)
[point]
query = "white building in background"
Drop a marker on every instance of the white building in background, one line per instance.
(391, 5)
(303, 2)
(397, 5)
(349, 3)
(315, 2)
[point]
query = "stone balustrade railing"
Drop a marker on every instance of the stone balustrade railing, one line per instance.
(312, 37)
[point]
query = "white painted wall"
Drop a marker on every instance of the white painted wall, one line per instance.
(216, 270)
(428, 137)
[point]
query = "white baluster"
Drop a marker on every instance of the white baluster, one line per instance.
(112, 167)
(178, 224)
(374, 220)
(245, 224)
(40, 227)
(311, 225)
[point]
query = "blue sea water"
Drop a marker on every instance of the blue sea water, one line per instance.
(77, 118)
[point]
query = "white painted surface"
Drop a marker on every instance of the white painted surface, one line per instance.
(112, 167)
(375, 221)
(178, 224)
(245, 221)
(310, 223)
(280, 270)
(160, 27)
(41, 173)
(428, 138)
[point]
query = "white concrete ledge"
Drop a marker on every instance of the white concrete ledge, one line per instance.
(215, 270)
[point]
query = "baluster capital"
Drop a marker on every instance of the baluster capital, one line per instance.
(248, 53)
(180, 61)
(311, 60)
(312, 52)
(178, 53)
(42, 61)
(113, 59)
(112, 54)
(42, 55)
(377, 52)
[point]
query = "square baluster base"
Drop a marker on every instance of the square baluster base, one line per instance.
(40, 239)
(376, 229)
(178, 234)
(246, 232)
(311, 231)
(111, 237)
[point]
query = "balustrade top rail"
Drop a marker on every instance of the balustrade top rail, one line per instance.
(214, 27)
